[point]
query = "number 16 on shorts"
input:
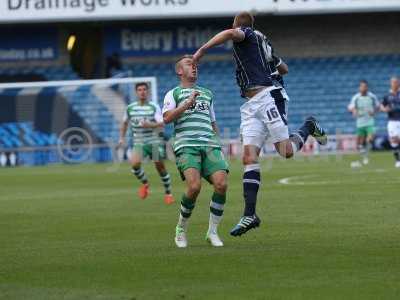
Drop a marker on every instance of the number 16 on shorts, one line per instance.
(272, 114)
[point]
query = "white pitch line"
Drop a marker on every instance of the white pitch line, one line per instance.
(293, 181)
(288, 180)
(300, 180)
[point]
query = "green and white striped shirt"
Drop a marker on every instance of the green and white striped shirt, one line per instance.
(365, 106)
(193, 128)
(136, 114)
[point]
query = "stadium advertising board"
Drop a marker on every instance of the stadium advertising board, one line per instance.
(332, 6)
(171, 40)
(26, 45)
(56, 10)
(74, 10)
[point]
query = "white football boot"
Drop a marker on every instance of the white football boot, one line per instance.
(397, 165)
(213, 238)
(180, 237)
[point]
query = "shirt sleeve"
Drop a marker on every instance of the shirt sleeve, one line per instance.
(352, 103)
(158, 115)
(277, 61)
(169, 102)
(247, 32)
(376, 101)
(125, 118)
(212, 113)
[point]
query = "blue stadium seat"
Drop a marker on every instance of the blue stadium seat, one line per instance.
(50, 73)
(318, 86)
(14, 135)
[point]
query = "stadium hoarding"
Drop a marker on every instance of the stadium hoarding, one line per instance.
(18, 11)
(173, 39)
(285, 7)
(21, 44)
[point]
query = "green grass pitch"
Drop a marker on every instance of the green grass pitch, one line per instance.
(80, 232)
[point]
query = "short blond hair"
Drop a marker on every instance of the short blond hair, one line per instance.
(178, 61)
(244, 19)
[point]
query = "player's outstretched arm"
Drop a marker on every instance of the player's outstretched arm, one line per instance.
(235, 35)
(171, 112)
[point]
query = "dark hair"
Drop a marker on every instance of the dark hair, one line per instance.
(141, 84)
(364, 81)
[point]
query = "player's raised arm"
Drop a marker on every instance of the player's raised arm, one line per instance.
(235, 35)
(242, 26)
(171, 112)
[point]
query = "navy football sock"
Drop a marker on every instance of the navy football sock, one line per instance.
(300, 137)
(251, 183)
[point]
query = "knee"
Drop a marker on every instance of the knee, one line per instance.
(285, 150)
(194, 188)
(289, 153)
(249, 159)
(221, 186)
(160, 167)
(394, 142)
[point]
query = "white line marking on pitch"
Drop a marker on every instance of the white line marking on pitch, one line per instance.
(289, 180)
(299, 180)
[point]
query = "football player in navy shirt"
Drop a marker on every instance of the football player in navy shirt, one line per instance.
(391, 106)
(264, 113)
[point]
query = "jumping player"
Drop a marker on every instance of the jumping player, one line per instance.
(263, 115)
(146, 125)
(391, 106)
(364, 105)
(197, 148)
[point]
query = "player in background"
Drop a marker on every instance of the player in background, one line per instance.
(364, 105)
(146, 124)
(391, 106)
(197, 148)
(263, 115)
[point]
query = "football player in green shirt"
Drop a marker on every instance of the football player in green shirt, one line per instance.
(146, 124)
(364, 105)
(197, 148)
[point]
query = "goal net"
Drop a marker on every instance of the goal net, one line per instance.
(64, 121)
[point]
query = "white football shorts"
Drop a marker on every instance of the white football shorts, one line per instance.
(264, 117)
(394, 131)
